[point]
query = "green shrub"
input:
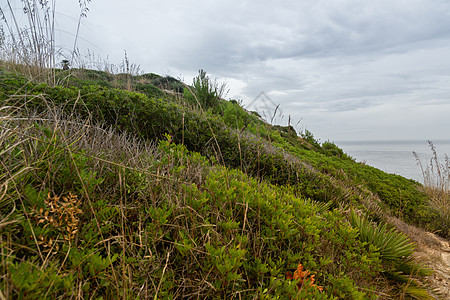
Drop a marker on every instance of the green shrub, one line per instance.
(207, 92)
(212, 135)
(396, 251)
(309, 137)
(168, 221)
(331, 149)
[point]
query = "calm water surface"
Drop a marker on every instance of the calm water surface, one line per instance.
(395, 156)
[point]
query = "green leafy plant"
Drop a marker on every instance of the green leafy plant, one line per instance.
(309, 137)
(181, 202)
(396, 250)
(207, 92)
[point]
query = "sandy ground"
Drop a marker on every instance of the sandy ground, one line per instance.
(435, 253)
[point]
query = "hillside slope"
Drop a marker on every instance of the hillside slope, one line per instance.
(170, 191)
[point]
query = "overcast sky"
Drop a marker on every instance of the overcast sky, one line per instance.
(343, 69)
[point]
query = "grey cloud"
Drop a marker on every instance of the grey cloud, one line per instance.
(333, 63)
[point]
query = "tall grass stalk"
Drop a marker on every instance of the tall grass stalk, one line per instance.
(31, 142)
(29, 47)
(436, 178)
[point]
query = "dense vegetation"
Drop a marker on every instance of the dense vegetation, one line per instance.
(139, 186)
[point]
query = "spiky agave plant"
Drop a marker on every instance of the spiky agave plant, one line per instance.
(396, 252)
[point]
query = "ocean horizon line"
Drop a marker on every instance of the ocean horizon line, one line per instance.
(402, 141)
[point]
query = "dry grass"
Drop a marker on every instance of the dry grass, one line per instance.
(436, 177)
(22, 140)
(30, 141)
(142, 181)
(29, 47)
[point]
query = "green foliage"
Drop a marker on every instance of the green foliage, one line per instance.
(151, 118)
(402, 196)
(33, 282)
(80, 77)
(331, 149)
(207, 92)
(393, 246)
(229, 248)
(287, 226)
(235, 116)
(149, 90)
(396, 251)
(215, 204)
(309, 137)
(168, 83)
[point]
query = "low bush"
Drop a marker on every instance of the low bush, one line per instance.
(213, 136)
(165, 200)
(160, 222)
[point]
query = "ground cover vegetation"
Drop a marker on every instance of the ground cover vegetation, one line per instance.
(139, 186)
(104, 186)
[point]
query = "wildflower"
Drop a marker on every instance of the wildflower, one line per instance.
(304, 280)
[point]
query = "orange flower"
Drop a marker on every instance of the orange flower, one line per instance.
(302, 276)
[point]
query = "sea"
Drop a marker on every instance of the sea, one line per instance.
(396, 156)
